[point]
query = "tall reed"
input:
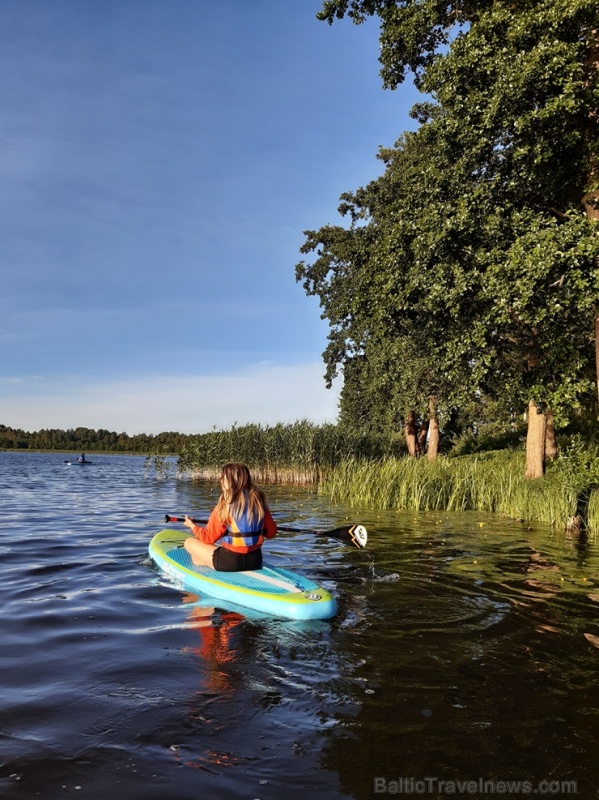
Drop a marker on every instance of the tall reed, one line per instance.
(491, 482)
(300, 452)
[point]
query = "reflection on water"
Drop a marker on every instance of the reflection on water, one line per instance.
(466, 648)
(219, 648)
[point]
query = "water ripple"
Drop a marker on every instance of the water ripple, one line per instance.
(463, 645)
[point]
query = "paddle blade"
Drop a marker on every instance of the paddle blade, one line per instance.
(355, 535)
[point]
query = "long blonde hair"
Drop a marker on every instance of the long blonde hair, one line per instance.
(239, 493)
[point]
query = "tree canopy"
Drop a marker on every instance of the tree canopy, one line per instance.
(470, 267)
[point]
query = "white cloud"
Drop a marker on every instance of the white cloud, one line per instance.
(265, 394)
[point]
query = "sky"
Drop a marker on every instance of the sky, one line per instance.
(159, 163)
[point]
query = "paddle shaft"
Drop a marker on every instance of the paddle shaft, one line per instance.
(280, 527)
(348, 534)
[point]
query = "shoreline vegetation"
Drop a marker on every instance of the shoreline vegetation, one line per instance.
(375, 471)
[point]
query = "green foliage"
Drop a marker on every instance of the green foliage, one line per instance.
(545, 291)
(469, 268)
(577, 466)
(471, 442)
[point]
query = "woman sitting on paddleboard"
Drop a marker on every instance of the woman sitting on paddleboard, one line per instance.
(239, 523)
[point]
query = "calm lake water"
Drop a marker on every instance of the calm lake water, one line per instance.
(465, 650)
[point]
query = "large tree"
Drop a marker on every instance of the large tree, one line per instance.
(399, 290)
(474, 251)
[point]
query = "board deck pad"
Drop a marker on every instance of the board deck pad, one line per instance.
(257, 579)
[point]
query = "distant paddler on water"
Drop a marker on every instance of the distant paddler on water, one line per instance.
(79, 460)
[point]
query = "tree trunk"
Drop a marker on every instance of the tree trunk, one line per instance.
(421, 437)
(535, 443)
(551, 449)
(433, 431)
(410, 432)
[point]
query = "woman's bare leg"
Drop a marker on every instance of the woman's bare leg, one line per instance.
(201, 554)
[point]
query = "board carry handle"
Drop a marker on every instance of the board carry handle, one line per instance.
(353, 535)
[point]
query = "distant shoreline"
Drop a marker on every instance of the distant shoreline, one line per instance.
(87, 452)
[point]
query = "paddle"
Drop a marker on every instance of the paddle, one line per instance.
(355, 535)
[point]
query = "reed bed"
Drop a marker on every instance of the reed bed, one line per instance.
(490, 482)
(299, 453)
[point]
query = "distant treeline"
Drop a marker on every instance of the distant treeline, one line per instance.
(88, 440)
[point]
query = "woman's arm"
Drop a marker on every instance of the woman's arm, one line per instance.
(270, 526)
(211, 533)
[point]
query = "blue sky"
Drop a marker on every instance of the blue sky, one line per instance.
(159, 162)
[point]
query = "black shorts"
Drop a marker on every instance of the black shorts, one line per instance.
(225, 560)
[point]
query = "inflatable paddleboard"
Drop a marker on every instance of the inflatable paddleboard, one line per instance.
(271, 590)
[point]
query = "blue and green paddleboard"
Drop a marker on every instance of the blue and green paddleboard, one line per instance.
(271, 590)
